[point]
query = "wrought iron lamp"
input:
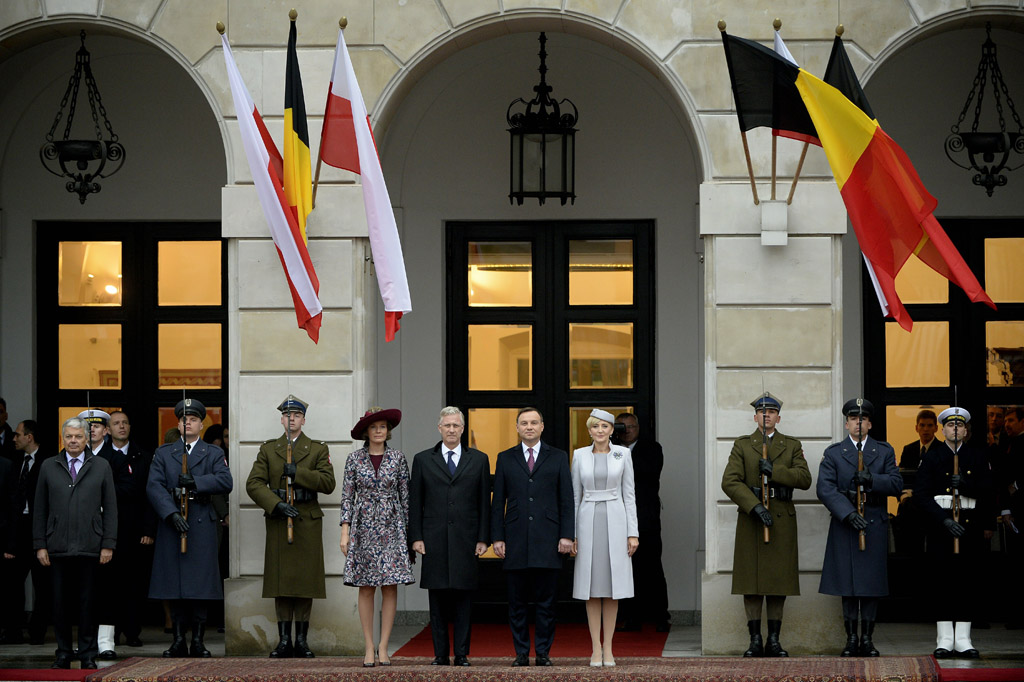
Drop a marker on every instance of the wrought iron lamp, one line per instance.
(542, 156)
(82, 162)
(987, 153)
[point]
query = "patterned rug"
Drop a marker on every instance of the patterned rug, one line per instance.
(724, 669)
(572, 640)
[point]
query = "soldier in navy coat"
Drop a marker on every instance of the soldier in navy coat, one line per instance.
(937, 489)
(532, 527)
(859, 577)
(190, 579)
(449, 525)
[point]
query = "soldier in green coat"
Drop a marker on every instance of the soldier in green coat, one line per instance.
(293, 574)
(765, 571)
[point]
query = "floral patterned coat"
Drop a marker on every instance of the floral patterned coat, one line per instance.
(376, 505)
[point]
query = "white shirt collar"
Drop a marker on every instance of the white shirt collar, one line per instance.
(457, 450)
(536, 450)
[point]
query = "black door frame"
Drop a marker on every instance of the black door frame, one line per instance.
(139, 316)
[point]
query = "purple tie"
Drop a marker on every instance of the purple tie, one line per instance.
(530, 460)
(74, 473)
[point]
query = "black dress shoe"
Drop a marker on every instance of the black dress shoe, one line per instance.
(628, 626)
(108, 655)
(461, 661)
(522, 660)
(543, 660)
(942, 653)
(134, 642)
(88, 664)
(969, 653)
(63, 662)
(440, 660)
(663, 626)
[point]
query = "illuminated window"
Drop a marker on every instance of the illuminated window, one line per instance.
(601, 355)
(917, 358)
(1005, 352)
(500, 274)
(89, 273)
(601, 272)
(189, 356)
(189, 273)
(1004, 274)
(579, 435)
(89, 356)
(918, 283)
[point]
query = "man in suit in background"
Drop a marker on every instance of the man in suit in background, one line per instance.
(23, 558)
(6, 433)
(136, 530)
(532, 526)
(75, 489)
(9, 513)
(650, 602)
(449, 525)
(911, 524)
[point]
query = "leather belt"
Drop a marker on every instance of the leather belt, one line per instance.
(783, 493)
(299, 495)
(192, 496)
(946, 501)
(600, 495)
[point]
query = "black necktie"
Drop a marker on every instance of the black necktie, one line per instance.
(24, 470)
(451, 462)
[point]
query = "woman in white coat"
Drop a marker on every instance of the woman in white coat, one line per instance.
(606, 531)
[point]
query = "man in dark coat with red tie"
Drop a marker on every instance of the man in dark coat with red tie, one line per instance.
(449, 526)
(532, 526)
(190, 579)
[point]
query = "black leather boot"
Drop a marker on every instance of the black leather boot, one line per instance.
(867, 647)
(852, 647)
(756, 649)
(284, 643)
(301, 647)
(772, 648)
(178, 649)
(199, 649)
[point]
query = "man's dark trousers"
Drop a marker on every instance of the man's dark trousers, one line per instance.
(455, 607)
(539, 585)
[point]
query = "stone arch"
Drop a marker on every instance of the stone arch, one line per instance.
(472, 33)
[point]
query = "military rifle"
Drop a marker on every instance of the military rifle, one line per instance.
(182, 493)
(861, 534)
(956, 470)
(289, 489)
(764, 455)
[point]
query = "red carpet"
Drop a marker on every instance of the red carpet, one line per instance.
(981, 674)
(494, 640)
(48, 674)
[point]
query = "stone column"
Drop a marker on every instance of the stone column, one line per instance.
(773, 318)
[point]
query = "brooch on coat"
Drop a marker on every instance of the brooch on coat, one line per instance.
(617, 455)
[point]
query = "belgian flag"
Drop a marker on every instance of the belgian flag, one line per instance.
(298, 183)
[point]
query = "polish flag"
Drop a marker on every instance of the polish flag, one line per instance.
(267, 169)
(347, 142)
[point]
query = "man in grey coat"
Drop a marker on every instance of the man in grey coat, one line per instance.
(74, 530)
(857, 574)
(190, 579)
(449, 518)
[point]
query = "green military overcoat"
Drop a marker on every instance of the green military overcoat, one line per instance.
(760, 568)
(295, 570)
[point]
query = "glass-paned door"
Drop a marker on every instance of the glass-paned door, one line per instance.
(131, 314)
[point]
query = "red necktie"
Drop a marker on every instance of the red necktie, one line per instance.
(530, 460)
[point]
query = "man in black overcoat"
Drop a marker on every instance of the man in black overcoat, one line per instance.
(938, 490)
(532, 526)
(449, 526)
(909, 526)
(190, 579)
(650, 601)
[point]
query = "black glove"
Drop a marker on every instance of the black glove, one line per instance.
(762, 514)
(186, 481)
(955, 481)
(954, 528)
(862, 478)
(765, 466)
(289, 471)
(179, 522)
(856, 520)
(285, 509)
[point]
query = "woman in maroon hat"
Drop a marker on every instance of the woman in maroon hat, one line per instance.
(374, 520)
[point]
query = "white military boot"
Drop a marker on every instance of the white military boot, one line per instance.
(944, 639)
(105, 642)
(962, 640)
